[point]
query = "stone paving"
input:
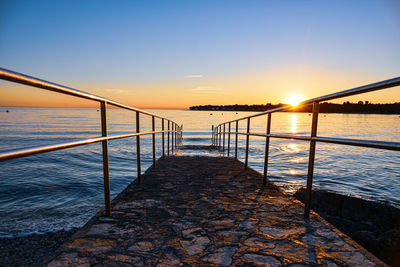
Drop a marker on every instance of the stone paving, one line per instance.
(208, 211)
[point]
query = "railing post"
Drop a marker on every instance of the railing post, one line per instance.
(176, 134)
(246, 164)
(181, 135)
(267, 148)
(154, 140)
(106, 173)
(163, 139)
(236, 138)
(172, 137)
(215, 136)
(139, 172)
(220, 136)
(168, 139)
(311, 159)
(212, 134)
(223, 138)
(229, 137)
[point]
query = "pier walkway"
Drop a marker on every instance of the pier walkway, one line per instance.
(208, 211)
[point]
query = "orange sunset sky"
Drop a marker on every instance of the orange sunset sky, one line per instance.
(181, 53)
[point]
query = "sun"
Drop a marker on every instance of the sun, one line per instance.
(293, 99)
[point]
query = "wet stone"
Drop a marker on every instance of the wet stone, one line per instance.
(91, 245)
(222, 256)
(281, 232)
(69, 259)
(262, 260)
(248, 224)
(259, 243)
(202, 211)
(188, 233)
(169, 260)
(143, 246)
(125, 258)
(195, 246)
(223, 223)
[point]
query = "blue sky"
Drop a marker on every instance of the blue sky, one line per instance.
(123, 44)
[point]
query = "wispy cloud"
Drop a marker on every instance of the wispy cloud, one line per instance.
(193, 76)
(205, 88)
(115, 91)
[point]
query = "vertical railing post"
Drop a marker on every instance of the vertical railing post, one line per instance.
(172, 137)
(153, 127)
(217, 137)
(246, 163)
(220, 136)
(106, 173)
(176, 134)
(218, 143)
(212, 134)
(163, 139)
(181, 135)
(229, 137)
(168, 139)
(311, 159)
(236, 138)
(139, 172)
(267, 148)
(223, 138)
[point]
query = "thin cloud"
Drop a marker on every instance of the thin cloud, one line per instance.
(193, 76)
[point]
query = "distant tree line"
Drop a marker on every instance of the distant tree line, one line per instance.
(346, 107)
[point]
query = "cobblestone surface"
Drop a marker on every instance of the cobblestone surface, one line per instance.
(207, 211)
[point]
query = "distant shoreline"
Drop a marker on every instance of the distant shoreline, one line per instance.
(346, 107)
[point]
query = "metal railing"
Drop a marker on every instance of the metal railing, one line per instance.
(219, 132)
(174, 131)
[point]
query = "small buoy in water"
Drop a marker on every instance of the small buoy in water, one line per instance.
(210, 113)
(7, 110)
(236, 113)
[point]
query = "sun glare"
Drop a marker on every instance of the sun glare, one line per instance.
(294, 99)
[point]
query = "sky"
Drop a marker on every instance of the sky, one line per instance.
(175, 54)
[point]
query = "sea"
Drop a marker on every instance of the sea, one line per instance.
(64, 189)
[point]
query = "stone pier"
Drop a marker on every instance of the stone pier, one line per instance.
(208, 211)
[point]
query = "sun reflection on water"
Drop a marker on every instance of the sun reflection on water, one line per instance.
(293, 148)
(293, 128)
(296, 160)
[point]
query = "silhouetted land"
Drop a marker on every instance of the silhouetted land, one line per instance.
(326, 107)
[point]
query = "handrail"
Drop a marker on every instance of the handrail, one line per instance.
(50, 86)
(354, 91)
(175, 131)
(219, 132)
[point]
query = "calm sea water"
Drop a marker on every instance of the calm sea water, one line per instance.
(63, 189)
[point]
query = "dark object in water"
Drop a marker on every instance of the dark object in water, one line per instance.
(236, 113)
(7, 110)
(374, 225)
(210, 113)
